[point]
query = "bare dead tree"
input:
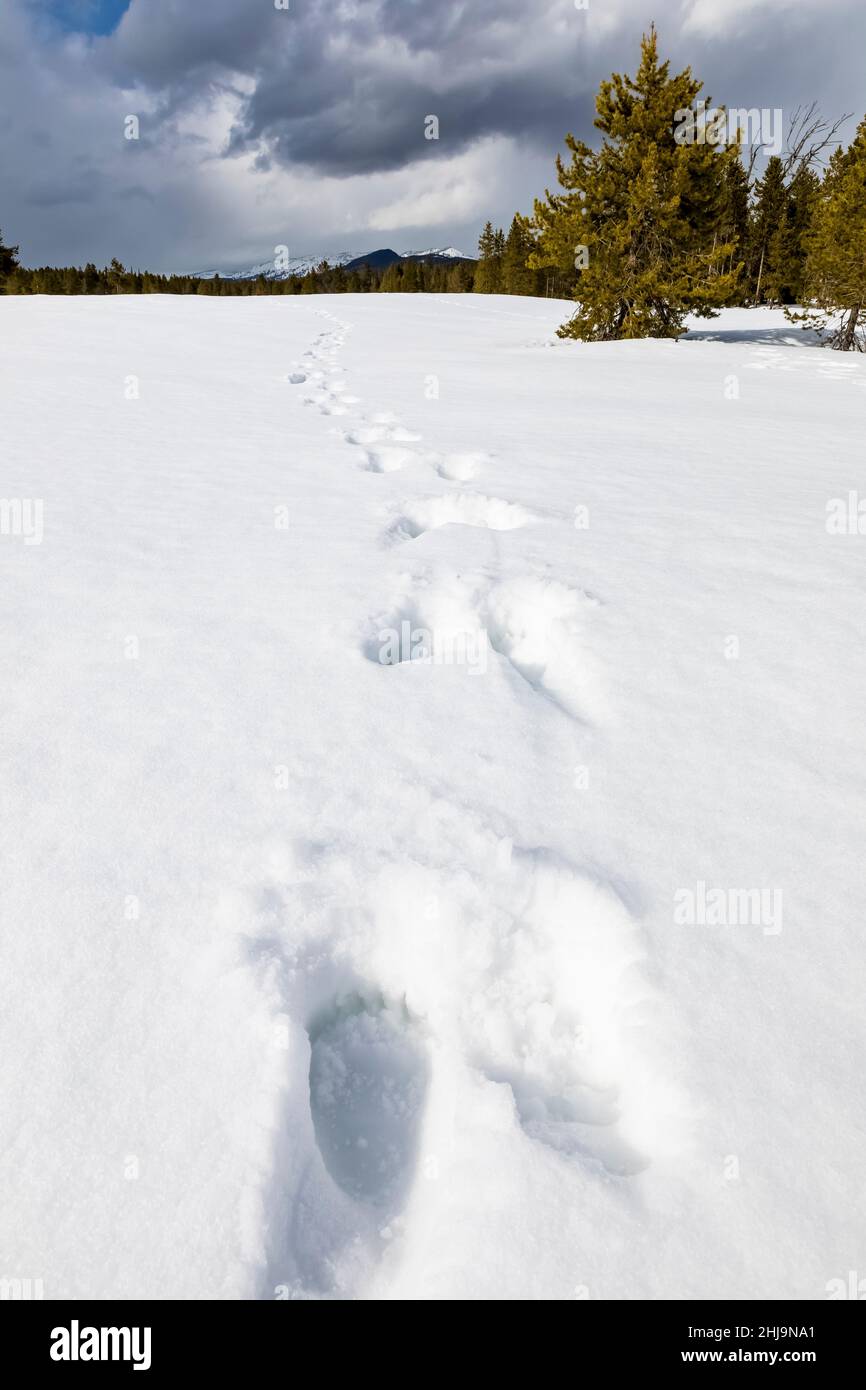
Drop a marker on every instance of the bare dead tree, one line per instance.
(754, 152)
(809, 138)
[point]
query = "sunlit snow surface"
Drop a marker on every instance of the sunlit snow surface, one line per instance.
(382, 678)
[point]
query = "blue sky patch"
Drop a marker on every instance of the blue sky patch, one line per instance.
(88, 16)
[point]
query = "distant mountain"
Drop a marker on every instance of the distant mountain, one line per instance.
(377, 259)
(302, 265)
(296, 265)
(437, 255)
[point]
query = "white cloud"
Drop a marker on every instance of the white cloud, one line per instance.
(306, 127)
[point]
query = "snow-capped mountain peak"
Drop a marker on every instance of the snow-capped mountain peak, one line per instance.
(282, 268)
(450, 251)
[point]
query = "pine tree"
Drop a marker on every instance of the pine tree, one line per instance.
(785, 219)
(411, 278)
(8, 260)
(640, 217)
(117, 278)
(392, 280)
(767, 224)
(460, 279)
(803, 193)
(491, 249)
(517, 277)
(486, 242)
(835, 274)
(734, 222)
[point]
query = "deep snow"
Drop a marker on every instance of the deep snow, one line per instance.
(328, 972)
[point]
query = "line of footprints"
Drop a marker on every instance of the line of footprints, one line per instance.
(568, 993)
(538, 625)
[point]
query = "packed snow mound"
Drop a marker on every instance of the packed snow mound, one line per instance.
(433, 780)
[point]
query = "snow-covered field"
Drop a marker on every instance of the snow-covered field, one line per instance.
(327, 973)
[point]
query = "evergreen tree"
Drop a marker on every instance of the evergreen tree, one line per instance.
(835, 274)
(642, 214)
(411, 278)
(734, 222)
(517, 276)
(117, 278)
(392, 280)
(460, 279)
(788, 248)
(491, 250)
(767, 223)
(8, 260)
(486, 242)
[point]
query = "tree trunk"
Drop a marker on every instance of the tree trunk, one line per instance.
(848, 335)
(760, 273)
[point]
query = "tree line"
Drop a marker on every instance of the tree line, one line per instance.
(652, 226)
(402, 277)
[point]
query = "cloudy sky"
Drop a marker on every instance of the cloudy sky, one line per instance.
(305, 126)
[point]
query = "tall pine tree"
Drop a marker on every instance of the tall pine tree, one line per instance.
(8, 260)
(767, 222)
(517, 276)
(734, 222)
(786, 251)
(835, 274)
(641, 215)
(491, 249)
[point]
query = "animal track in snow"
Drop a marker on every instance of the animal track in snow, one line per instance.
(535, 975)
(437, 625)
(345, 1071)
(388, 459)
(375, 434)
(460, 509)
(461, 468)
(319, 368)
(368, 1079)
(562, 1023)
(326, 403)
(539, 626)
(380, 428)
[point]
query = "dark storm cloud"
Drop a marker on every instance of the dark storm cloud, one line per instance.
(252, 118)
(345, 88)
(379, 124)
